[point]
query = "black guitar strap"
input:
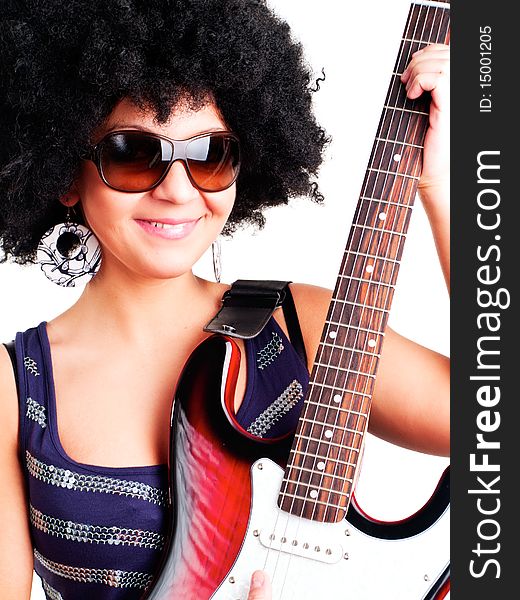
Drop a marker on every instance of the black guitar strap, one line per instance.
(249, 304)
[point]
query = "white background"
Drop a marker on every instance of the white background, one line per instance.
(357, 44)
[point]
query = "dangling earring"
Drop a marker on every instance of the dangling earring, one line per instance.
(217, 265)
(69, 252)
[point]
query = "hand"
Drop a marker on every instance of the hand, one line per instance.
(429, 70)
(260, 587)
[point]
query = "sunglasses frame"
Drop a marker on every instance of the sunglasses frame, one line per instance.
(178, 153)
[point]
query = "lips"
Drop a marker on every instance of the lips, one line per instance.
(171, 229)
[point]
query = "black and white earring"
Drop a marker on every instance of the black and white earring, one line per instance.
(69, 252)
(217, 265)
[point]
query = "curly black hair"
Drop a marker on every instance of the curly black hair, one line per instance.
(66, 64)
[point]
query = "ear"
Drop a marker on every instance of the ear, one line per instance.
(71, 198)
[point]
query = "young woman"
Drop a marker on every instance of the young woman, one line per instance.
(86, 85)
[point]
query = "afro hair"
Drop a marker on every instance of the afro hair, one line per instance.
(65, 65)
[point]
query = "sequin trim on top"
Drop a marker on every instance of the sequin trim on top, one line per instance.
(36, 412)
(31, 365)
(51, 593)
(112, 577)
(95, 534)
(270, 352)
(275, 411)
(73, 480)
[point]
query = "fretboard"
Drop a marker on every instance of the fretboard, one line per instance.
(321, 472)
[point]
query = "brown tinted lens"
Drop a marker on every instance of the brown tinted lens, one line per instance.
(213, 161)
(133, 162)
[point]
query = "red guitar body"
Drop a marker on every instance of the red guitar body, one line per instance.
(211, 484)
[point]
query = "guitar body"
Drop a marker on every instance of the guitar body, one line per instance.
(226, 521)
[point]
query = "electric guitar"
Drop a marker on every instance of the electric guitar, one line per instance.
(286, 506)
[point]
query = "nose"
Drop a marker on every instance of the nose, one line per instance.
(176, 187)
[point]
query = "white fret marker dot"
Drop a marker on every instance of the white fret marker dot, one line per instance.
(382, 216)
(338, 398)
(333, 335)
(313, 493)
(321, 466)
(328, 433)
(397, 157)
(372, 343)
(369, 269)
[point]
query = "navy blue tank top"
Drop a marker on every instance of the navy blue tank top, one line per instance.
(97, 532)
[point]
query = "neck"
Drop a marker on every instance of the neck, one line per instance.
(138, 308)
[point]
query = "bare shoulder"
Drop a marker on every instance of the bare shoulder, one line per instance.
(312, 303)
(8, 398)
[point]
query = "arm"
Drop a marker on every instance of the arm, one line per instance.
(16, 560)
(429, 71)
(410, 404)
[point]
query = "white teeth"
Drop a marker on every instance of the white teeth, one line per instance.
(166, 225)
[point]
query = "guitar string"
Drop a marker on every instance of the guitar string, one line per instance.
(437, 27)
(435, 39)
(394, 144)
(372, 235)
(412, 167)
(368, 212)
(374, 283)
(372, 164)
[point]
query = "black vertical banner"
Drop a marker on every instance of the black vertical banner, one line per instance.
(485, 247)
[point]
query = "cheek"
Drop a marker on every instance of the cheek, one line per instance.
(221, 203)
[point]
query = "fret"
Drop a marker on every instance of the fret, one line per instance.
(319, 472)
(393, 173)
(414, 41)
(369, 306)
(326, 442)
(374, 256)
(370, 281)
(358, 328)
(319, 457)
(299, 484)
(344, 370)
(348, 348)
(313, 500)
(339, 391)
(404, 127)
(379, 139)
(325, 424)
(415, 112)
(340, 408)
(377, 214)
(376, 267)
(432, 3)
(386, 202)
(378, 229)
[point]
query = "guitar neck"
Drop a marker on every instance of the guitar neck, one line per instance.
(321, 472)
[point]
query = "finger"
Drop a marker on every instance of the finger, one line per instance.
(424, 57)
(425, 82)
(434, 65)
(260, 587)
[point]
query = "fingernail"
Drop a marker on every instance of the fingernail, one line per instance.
(257, 580)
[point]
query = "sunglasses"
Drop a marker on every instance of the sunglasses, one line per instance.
(137, 161)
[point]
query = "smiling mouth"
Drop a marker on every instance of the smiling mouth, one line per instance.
(169, 230)
(160, 225)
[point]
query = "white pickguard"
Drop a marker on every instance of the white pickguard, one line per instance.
(310, 560)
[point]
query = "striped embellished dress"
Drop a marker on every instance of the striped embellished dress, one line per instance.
(97, 532)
